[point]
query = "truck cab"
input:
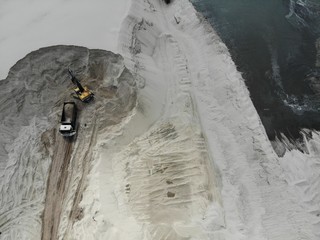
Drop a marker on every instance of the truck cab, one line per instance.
(68, 119)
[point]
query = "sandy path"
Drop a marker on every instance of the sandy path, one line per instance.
(67, 180)
(162, 182)
(83, 158)
(57, 179)
(71, 164)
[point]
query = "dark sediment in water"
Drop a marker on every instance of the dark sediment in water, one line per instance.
(275, 44)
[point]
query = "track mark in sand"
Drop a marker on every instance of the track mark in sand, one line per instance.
(164, 177)
(76, 212)
(56, 186)
(42, 177)
(69, 156)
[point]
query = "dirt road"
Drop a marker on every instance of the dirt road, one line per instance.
(56, 187)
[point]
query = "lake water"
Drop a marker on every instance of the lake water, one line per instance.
(276, 46)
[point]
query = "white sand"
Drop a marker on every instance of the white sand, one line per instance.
(192, 160)
(179, 56)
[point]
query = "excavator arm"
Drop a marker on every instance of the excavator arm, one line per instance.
(75, 81)
(83, 93)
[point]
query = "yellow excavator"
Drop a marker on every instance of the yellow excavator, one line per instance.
(82, 93)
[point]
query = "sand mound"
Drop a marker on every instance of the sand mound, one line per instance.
(31, 103)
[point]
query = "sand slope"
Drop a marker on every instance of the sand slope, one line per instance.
(187, 79)
(33, 152)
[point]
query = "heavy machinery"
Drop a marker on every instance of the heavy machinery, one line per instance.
(68, 119)
(82, 93)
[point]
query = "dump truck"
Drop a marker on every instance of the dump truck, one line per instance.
(68, 119)
(82, 93)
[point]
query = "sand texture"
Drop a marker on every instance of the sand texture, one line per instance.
(171, 148)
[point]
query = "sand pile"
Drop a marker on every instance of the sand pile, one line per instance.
(32, 151)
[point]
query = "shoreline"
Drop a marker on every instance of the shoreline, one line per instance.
(278, 62)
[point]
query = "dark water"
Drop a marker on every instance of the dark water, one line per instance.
(273, 43)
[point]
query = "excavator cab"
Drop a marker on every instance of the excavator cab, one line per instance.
(82, 93)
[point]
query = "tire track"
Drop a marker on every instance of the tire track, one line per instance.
(56, 187)
(76, 212)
